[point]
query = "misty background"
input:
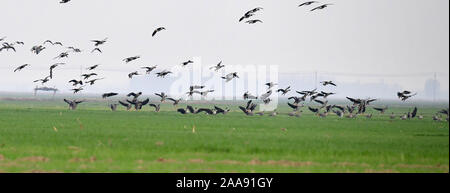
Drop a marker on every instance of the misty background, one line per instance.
(369, 48)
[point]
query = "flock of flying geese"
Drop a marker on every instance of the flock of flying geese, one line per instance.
(132, 101)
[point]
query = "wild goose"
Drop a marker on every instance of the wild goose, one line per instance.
(321, 7)
(139, 104)
(76, 82)
(248, 110)
(64, 1)
(220, 110)
(230, 76)
(284, 91)
(135, 73)
(206, 92)
(307, 3)
(99, 42)
(162, 95)
(87, 76)
(92, 82)
(246, 16)
(436, 118)
(247, 96)
(53, 67)
(7, 47)
(37, 49)
(96, 50)
(327, 82)
(149, 69)
(127, 105)
(21, 67)
(266, 95)
(77, 90)
(92, 67)
(73, 104)
(307, 93)
(207, 111)
(134, 95)
(405, 95)
(62, 55)
(191, 109)
(130, 59)
(267, 101)
(184, 64)
(158, 30)
(217, 67)
(73, 49)
(296, 99)
(414, 113)
(270, 85)
(253, 21)
(175, 102)
(295, 107)
(163, 74)
(110, 94)
(325, 94)
(342, 109)
(381, 110)
(314, 110)
(44, 80)
(182, 111)
(156, 106)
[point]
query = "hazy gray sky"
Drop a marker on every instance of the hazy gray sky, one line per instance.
(351, 36)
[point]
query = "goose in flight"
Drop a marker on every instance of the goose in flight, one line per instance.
(87, 76)
(297, 100)
(325, 94)
(325, 83)
(64, 1)
(205, 93)
(246, 16)
(321, 7)
(230, 76)
(270, 85)
(99, 42)
(163, 74)
(186, 63)
(217, 67)
(220, 110)
(294, 106)
(44, 80)
(53, 67)
(253, 21)
(307, 93)
(130, 59)
(156, 106)
(96, 49)
(77, 90)
(267, 101)
(175, 102)
(76, 50)
(248, 110)
(7, 47)
(73, 104)
(37, 49)
(139, 104)
(76, 82)
(314, 110)
(110, 94)
(149, 69)
(254, 10)
(323, 103)
(162, 95)
(53, 43)
(405, 95)
(308, 3)
(135, 73)
(62, 55)
(284, 91)
(381, 110)
(92, 82)
(21, 67)
(207, 111)
(127, 105)
(93, 67)
(247, 96)
(266, 95)
(134, 95)
(158, 30)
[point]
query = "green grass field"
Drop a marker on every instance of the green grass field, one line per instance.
(47, 137)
